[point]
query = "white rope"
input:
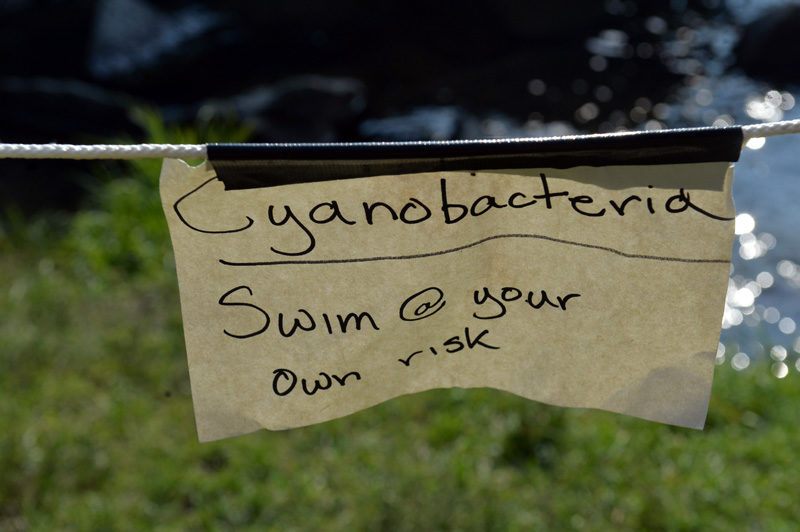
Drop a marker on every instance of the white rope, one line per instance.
(771, 128)
(198, 151)
(101, 151)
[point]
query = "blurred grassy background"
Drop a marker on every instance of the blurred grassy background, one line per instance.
(98, 433)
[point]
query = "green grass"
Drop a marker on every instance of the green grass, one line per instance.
(97, 430)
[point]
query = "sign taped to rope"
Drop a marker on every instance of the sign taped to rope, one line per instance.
(318, 280)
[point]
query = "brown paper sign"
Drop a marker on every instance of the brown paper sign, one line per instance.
(597, 287)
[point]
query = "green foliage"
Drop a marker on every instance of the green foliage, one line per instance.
(122, 233)
(98, 433)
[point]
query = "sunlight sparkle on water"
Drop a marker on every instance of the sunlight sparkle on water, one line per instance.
(744, 223)
(772, 315)
(779, 369)
(732, 317)
(756, 143)
(743, 297)
(769, 107)
(765, 279)
(740, 361)
(778, 353)
(754, 287)
(787, 268)
(787, 325)
(787, 101)
(751, 247)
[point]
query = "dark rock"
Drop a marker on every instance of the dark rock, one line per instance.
(160, 55)
(769, 46)
(424, 123)
(297, 109)
(62, 110)
(131, 35)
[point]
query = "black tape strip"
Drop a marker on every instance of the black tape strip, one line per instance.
(242, 166)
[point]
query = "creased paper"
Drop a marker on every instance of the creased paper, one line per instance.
(597, 287)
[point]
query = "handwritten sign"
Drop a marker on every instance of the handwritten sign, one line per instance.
(597, 287)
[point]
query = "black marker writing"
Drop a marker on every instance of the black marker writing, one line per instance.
(454, 344)
(224, 302)
(422, 304)
(176, 208)
(299, 224)
(496, 304)
(290, 216)
(285, 381)
(304, 320)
